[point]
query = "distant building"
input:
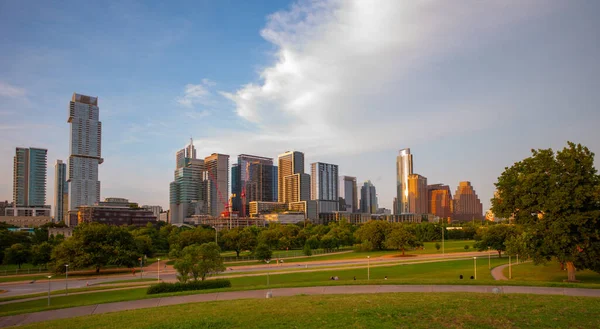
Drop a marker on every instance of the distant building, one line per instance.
(43, 211)
(404, 168)
(297, 187)
(285, 218)
(309, 208)
(467, 206)
(164, 217)
(368, 198)
(262, 207)
(61, 191)
(156, 210)
(67, 232)
(349, 192)
(384, 211)
(217, 186)
(253, 179)
(324, 181)
(417, 194)
(29, 177)
(288, 164)
(26, 221)
(112, 211)
(187, 192)
(85, 151)
(440, 201)
(3, 206)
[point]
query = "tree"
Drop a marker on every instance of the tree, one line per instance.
(495, 237)
(17, 254)
(307, 251)
(200, 261)
(263, 252)
(41, 253)
(556, 197)
(374, 232)
(238, 240)
(401, 238)
(437, 246)
(518, 245)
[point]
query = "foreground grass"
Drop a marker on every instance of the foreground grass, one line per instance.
(549, 272)
(392, 310)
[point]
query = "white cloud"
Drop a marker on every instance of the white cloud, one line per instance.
(343, 75)
(8, 90)
(193, 94)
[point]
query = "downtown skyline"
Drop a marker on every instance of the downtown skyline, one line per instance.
(534, 97)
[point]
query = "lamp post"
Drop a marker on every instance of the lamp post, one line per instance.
(269, 292)
(67, 279)
(475, 266)
(489, 259)
(443, 240)
(141, 268)
(368, 267)
(49, 277)
(158, 270)
(509, 267)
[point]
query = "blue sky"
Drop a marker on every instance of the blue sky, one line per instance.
(469, 86)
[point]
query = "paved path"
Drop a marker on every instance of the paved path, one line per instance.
(72, 312)
(498, 271)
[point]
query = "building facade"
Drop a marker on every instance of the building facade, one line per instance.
(187, 194)
(288, 164)
(466, 204)
(417, 194)
(368, 198)
(297, 188)
(29, 177)
(252, 180)
(156, 210)
(112, 211)
(404, 168)
(61, 191)
(349, 192)
(440, 201)
(85, 151)
(217, 183)
(324, 182)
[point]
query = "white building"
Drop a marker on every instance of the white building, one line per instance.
(156, 210)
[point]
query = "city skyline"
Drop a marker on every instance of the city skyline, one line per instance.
(470, 104)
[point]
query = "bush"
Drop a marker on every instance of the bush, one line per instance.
(467, 247)
(193, 285)
(437, 246)
(365, 246)
(307, 251)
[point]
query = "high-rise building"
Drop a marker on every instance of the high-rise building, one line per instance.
(349, 192)
(324, 181)
(466, 204)
(61, 191)
(417, 194)
(288, 164)
(368, 198)
(297, 188)
(275, 179)
(29, 177)
(254, 181)
(440, 201)
(404, 168)
(187, 195)
(217, 171)
(85, 151)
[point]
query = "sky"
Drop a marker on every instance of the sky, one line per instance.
(469, 86)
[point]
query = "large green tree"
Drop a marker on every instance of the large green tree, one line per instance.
(401, 237)
(495, 237)
(17, 254)
(556, 196)
(199, 261)
(374, 232)
(238, 240)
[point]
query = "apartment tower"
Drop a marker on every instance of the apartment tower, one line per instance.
(61, 191)
(217, 172)
(404, 168)
(29, 177)
(417, 194)
(349, 192)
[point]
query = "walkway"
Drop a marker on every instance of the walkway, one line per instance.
(258, 294)
(498, 271)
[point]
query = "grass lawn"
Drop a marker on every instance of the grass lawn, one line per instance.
(391, 310)
(549, 272)
(125, 281)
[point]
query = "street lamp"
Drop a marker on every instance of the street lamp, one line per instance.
(489, 259)
(269, 293)
(67, 279)
(158, 270)
(49, 276)
(368, 267)
(475, 266)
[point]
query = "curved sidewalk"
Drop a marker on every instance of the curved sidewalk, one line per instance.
(22, 319)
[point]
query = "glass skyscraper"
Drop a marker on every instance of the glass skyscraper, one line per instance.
(252, 179)
(187, 192)
(29, 177)
(404, 168)
(61, 191)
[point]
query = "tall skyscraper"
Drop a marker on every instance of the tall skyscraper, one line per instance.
(467, 205)
(404, 168)
(440, 200)
(324, 181)
(29, 177)
(187, 195)
(254, 182)
(297, 188)
(217, 189)
(349, 192)
(288, 164)
(61, 191)
(85, 151)
(368, 198)
(417, 194)
(275, 180)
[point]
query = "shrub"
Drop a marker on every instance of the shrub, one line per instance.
(437, 246)
(307, 251)
(467, 247)
(193, 285)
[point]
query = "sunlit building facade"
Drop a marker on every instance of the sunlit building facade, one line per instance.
(417, 194)
(466, 204)
(440, 201)
(404, 168)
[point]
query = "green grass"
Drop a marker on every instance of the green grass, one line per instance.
(390, 310)
(126, 281)
(60, 292)
(549, 272)
(13, 268)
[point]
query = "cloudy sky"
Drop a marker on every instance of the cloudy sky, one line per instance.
(470, 86)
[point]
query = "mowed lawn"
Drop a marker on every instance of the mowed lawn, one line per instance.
(549, 272)
(391, 310)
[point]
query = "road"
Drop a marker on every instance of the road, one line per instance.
(168, 274)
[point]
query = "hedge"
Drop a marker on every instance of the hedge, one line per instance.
(193, 285)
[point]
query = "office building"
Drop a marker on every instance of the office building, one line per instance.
(440, 201)
(187, 194)
(466, 204)
(29, 177)
(368, 198)
(252, 180)
(112, 211)
(61, 191)
(289, 163)
(417, 194)
(297, 188)
(275, 180)
(156, 210)
(261, 207)
(217, 183)
(324, 181)
(3, 206)
(404, 168)
(349, 192)
(85, 151)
